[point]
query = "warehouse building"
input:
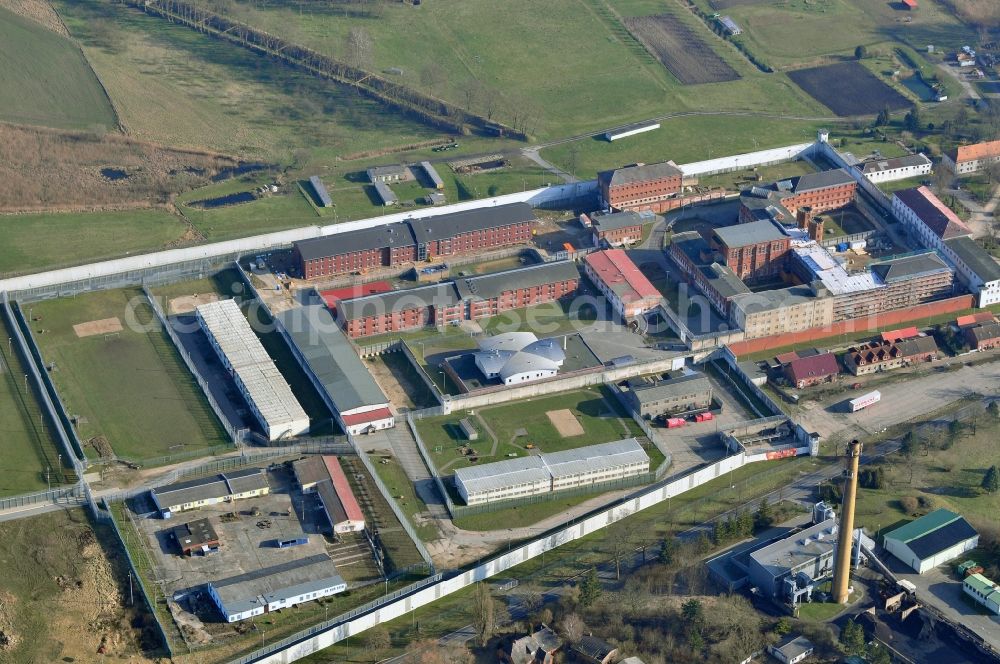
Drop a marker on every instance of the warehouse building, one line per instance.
(640, 187)
(222, 488)
(518, 357)
(385, 194)
(931, 540)
(322, 195)
(324, 476)
(545, 473)
(467, 298)
(628, 290)
(432, 175)
(258, 379)
(335, 369)
(660, 398)
(413, 240)
(273, 588)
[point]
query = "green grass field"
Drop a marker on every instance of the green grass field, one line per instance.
(132, 388)
(601, 417)
(30, 447)
(46, 80)
(176, 86)
(34, 242)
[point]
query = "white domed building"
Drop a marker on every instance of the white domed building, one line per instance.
(519, 357)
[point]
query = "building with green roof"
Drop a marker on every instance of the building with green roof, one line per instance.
(983, 591)
(932, 540)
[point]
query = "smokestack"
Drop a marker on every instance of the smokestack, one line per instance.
(842, 564)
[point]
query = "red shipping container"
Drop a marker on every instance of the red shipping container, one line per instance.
(704, 417)
(674, 422)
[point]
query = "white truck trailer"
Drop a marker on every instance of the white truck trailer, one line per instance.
(865, 400)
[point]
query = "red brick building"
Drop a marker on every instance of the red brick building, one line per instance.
(755, 251)
(983, 337)
(414, 240)
(779, 201)
(620, 228)
(463, 299)
(640, 187)
(812, 370)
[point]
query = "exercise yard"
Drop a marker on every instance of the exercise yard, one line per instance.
(130, 391)
(564, 421)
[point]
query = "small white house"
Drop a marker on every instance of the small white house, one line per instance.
(791, 649)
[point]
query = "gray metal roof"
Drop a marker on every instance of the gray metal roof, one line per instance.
(879, 165)
(793, 646)
(432, 174)
(310, 470)
(385, 193)
(973, 255)
(595, 457)
(363, 239)
(320, 189)
(984, 332)
(210, 488)
(896, 269)
(331, 358)
(822, 180)
(444, 226)
(248, 479)
(777, 558)
(296, 577)
(917, 346)
(380, 171)
(742, 235)
(488, 286)
(442, 295)
(665, 389)
(616, 220)
(637, 173)
(502, 474)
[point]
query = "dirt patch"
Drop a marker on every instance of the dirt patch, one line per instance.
(39, 11)
(103, 447)
(565, 423)
(185, 304)
(848, 88)
(9, 638)
(95, 327)
(679, 49)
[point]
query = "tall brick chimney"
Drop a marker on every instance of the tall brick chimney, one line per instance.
(803, 216)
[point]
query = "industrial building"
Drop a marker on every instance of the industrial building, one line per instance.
(545, 473)
(658, 398)
(982, 591)
(620, 228)
(790, 569)
(222, 488)
(466, 298)
(518, 357)
(966, 159)
(640, 187)
(413, 240)
(885, 355)
(780, 201)
(938, 228)
(258, 379)
(196, 536)
(933, 539)
(897, 168)
(335, 369)
(324, 476)
(278, 587)
(628, 290)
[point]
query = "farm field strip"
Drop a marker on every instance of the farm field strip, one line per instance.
(680, 50)
(848, 89)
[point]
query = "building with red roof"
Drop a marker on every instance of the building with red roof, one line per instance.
(324, 476)
(812, 370)
(893, 336)
(335, 295)
(975, 319)
(967, 159)
(617, 277)
(924, 213)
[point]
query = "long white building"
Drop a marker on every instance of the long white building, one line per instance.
(545, 473)
(266, 392)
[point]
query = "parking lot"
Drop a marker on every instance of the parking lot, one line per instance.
(249, 531)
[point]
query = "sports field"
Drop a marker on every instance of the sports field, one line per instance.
(33, 242)
(30, 448)
(548, 424)
(46, 80)
(130, 388)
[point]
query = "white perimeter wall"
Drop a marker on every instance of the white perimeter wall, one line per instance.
(747, 160)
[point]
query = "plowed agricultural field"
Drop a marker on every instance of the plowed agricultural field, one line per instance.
(848, 89)
(680, 50)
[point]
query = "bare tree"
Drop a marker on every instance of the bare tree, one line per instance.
(377, 640)
(621, 538)
(490, 100)
(432, 76)
(634, 595)
(359, 47)
(572, 627)
(471, 92)
(483, 613)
